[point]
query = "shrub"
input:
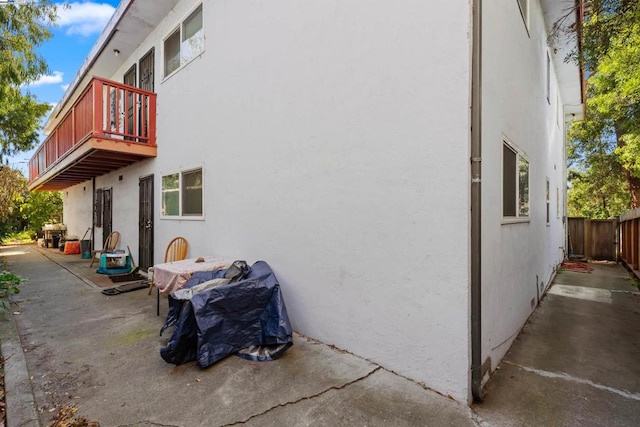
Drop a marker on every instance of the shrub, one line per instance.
(9, 283)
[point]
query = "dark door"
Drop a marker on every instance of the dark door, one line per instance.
(106, 214)
(130, 80)
(146, 66)
(145, 224)
(146, 71)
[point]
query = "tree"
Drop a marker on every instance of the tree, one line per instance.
(23, 28)
(40, 207)
(13, 186)
(22, 210)
(605, 147)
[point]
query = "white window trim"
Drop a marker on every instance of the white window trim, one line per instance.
(183, 217)
(519, 153)
(179, 28)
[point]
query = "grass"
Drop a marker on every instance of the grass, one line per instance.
(21, 238)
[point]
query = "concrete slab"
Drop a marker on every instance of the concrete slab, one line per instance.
(365, 403)
(519, 397)
(101, 353)
(576, 360)
(18, 396)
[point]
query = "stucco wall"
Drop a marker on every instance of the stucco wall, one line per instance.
(77, 209)
(124, 202)
(518, 258)
(334, 140)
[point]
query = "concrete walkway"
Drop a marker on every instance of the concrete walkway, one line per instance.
(575, 364)
(68, 344)
(577, 361)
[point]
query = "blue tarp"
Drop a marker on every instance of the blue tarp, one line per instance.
(247, 317)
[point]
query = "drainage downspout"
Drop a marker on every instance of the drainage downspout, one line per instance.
(93, 212)
(476, 173)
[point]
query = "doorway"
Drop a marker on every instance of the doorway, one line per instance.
(130, 80)
(107, 214)
(145, 223)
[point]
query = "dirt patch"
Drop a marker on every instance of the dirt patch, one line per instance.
(66, 418)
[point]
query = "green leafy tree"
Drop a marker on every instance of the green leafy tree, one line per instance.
(13, 190)
(39, 207)
(604, 149)
(13, 186)
(23, 27)
(22, 210)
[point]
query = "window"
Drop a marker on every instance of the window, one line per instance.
(524, 11)
(182, 194)
(515, 184)
(185, 43)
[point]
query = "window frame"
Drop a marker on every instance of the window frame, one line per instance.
(181, 192)
(179, 30)
(519, 157)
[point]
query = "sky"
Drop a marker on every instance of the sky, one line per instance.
(76, 31)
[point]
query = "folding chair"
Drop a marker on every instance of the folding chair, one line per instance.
(176, 251)
(109, 246)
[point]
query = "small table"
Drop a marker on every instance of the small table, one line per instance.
(171, 276)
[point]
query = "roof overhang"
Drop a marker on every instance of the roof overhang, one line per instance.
(569, 73)
(130, 25)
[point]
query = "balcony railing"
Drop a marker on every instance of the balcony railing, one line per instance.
(105, 110)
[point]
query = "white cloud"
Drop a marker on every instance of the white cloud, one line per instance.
(64, 87)
(56, 77)
(85, 18)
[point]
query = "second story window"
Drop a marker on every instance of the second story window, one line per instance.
(185, 43)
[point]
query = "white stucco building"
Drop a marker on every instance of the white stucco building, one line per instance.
(341, 142)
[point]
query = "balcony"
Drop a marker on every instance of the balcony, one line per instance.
(109, 126)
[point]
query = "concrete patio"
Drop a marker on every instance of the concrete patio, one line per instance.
(72, 345)
(65, 343)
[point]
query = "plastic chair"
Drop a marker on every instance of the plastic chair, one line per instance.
(110, 244)
(176, 251)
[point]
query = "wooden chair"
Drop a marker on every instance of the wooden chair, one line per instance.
(176, 251)
(110, 244)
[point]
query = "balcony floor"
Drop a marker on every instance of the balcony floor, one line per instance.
(90, 159)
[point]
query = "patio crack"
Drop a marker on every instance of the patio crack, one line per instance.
(313, 396)
(562, 376)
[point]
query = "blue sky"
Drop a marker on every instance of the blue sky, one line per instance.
(77, 29)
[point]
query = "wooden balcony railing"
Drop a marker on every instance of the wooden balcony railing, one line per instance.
(105, 110)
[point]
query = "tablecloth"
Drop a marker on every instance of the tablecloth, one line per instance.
(171, 276)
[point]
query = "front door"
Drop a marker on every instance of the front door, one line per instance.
(145, 223)
(146, 71)
(107, 214)
(146, 82)
(130, 80)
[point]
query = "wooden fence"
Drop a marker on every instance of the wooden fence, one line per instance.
(630, 239)
(593, 238)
